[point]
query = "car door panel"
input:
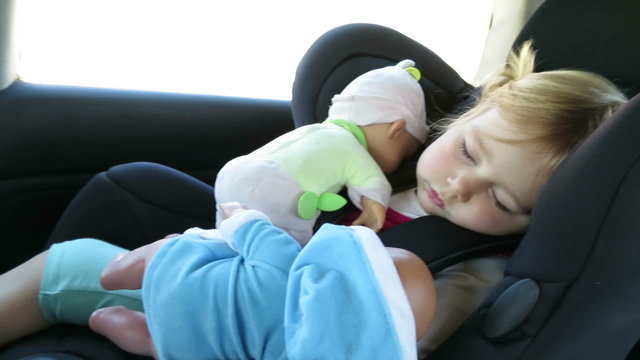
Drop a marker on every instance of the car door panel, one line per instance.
(55, 138)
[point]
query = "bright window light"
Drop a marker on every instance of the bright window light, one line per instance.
(237, 48)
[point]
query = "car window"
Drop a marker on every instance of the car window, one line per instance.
(239, 48)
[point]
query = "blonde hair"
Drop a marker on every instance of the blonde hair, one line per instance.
(557, 109)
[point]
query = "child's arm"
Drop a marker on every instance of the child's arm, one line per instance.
(373, 214)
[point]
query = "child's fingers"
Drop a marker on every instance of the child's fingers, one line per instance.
(127, 329)
(127, 269)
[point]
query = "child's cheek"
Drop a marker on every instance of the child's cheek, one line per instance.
(434, 160)
(483, 219)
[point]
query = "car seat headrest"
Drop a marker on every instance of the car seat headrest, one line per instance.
(598, 36)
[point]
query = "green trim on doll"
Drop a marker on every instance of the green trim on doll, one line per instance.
(310, 202)
(352, 128)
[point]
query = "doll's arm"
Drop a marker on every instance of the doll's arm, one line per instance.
(127, 329)
(252, 235)
(368, 189)
(373, 214)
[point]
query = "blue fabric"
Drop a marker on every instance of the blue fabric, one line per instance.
(206, 301)
(335, 308)
(255, 295)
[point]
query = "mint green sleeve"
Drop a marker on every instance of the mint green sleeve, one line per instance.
(364, 177)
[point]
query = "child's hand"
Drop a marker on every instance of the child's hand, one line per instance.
(373, 214)
(231, 208)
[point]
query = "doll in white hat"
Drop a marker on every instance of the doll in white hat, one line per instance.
(373, 124)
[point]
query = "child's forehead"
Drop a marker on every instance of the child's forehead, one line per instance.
(495, 125)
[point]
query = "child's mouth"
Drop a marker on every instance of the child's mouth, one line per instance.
(433, 195)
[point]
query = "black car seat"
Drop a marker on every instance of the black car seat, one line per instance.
(570, 289)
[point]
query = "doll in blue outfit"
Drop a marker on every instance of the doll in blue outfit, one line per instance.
(248, 290)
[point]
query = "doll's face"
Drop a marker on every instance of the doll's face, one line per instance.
(478, 182)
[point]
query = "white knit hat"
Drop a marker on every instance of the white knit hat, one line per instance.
(384, 96)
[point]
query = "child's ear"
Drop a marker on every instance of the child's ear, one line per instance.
(396, 128)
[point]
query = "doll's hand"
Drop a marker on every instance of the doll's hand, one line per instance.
(127, 269)
(127, 329)
(231, 208)
(373, 214)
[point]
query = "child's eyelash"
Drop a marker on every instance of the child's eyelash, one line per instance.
(497, 202)
(465, 151)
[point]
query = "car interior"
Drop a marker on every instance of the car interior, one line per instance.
(570, 289)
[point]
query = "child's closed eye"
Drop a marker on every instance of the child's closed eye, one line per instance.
(465, 151)
(497, 202)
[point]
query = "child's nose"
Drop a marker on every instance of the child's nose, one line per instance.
(463, 186)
